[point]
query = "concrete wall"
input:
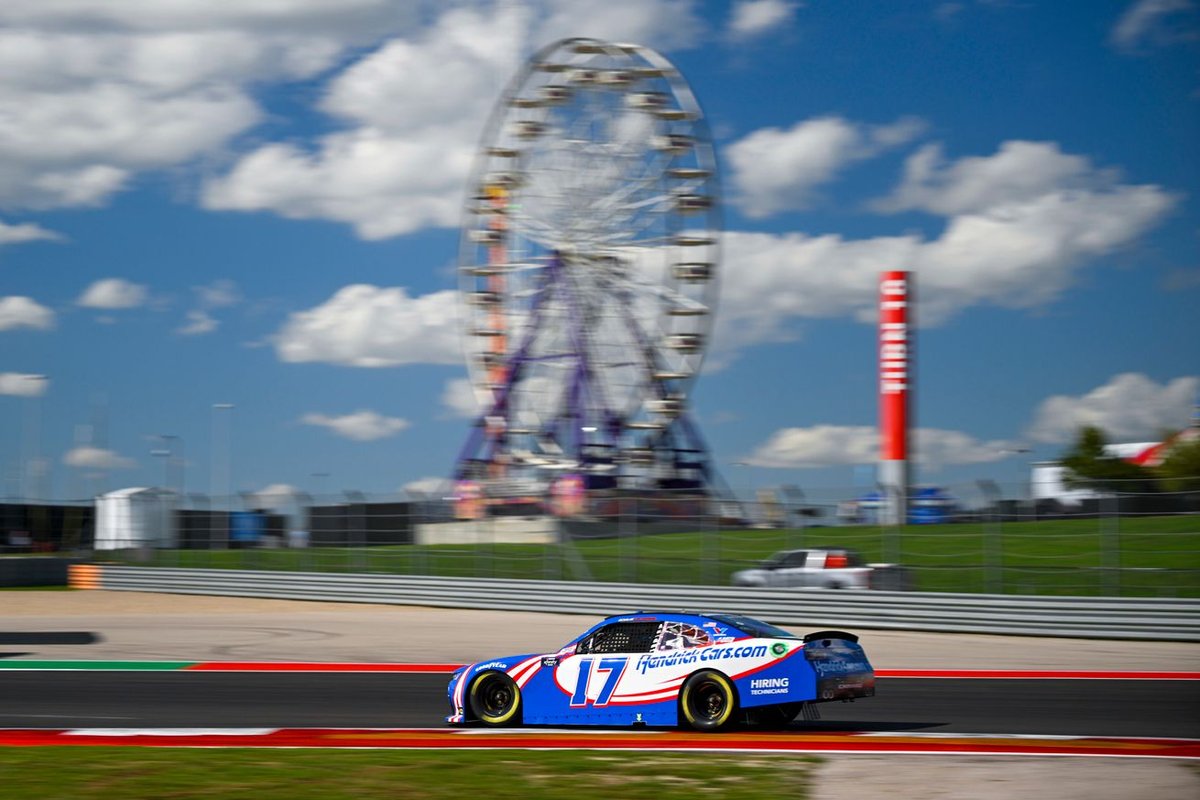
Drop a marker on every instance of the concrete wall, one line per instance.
(34, 571)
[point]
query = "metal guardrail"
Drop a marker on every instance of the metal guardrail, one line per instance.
(1079, 617)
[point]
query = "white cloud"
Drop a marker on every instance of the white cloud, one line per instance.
(275, 15)
(78, 146)
(26, 232)
(775, 170)
(669, 24)
(819, 446)
(361, 426)
(458, 397)
(414, 109)
(377, 175)
(381, 184)
(1012, 240)
(20, 384)
(88, 457)
(937, 448)
(1019, 172)
(113, 293)
(846, 445)
(17, 311)
(218, 294)
(1130, 407)
(427, 487)
(751, 18)
(198, 323)
(1153, 22)
(97, 90)
(276, 497)
(662, 21)
(276, 490)
(370, 326)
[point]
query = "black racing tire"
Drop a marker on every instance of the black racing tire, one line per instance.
(707, 701)
(495, 699)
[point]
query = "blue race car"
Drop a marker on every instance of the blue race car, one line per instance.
(705, 671)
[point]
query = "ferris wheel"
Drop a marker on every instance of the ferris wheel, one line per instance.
(588, 266)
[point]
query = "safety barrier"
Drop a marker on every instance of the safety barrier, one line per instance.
(1084, 617)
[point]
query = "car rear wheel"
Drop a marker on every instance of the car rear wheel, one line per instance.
(707, 701)
(495, 699)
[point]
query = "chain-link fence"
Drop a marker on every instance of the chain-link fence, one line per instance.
(968, 538)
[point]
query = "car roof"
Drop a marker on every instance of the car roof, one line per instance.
(824, 548)
(658, 616)
(742, 623)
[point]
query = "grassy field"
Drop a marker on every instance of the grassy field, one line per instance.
(134, 773)
(1147, 556)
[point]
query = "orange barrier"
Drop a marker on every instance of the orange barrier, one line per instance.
(83, 576)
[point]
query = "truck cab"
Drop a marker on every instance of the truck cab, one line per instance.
(812, 567)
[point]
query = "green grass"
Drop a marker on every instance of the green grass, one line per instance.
(36, 589)
(132, 773)
(1135, 556)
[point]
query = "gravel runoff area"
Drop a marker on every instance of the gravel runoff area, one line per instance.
(144, 626)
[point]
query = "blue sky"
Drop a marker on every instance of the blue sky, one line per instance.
(187, 194)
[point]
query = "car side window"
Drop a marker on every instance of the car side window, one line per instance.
(680, 636)
(621, 637)
(796, 559)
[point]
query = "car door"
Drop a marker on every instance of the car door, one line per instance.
(591, 677)
(794, 571)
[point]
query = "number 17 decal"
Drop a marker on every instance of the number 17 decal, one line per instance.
(615, 667)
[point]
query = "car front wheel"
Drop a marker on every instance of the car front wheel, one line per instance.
(707, 701)
(495, 699)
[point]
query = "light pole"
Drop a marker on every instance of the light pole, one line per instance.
(745, 504)
(219, 464)
(797, 504)
(165, 455)
(171, 498)
(319, 484)
(173, 462)
(32, 467)
(993, 575)
(220, 457)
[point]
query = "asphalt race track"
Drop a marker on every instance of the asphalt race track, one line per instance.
(131, 699)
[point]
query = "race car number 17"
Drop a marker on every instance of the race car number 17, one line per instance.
(613, 668)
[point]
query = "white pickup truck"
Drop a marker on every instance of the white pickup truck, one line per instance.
(814, 567)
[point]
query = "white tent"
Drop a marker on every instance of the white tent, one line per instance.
(136, 517)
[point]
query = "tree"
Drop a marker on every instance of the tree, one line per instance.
(1180, 470)
(1090, 467)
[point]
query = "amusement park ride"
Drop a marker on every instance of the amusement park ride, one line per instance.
(588, 277)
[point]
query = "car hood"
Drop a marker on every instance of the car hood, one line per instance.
(503, 664)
